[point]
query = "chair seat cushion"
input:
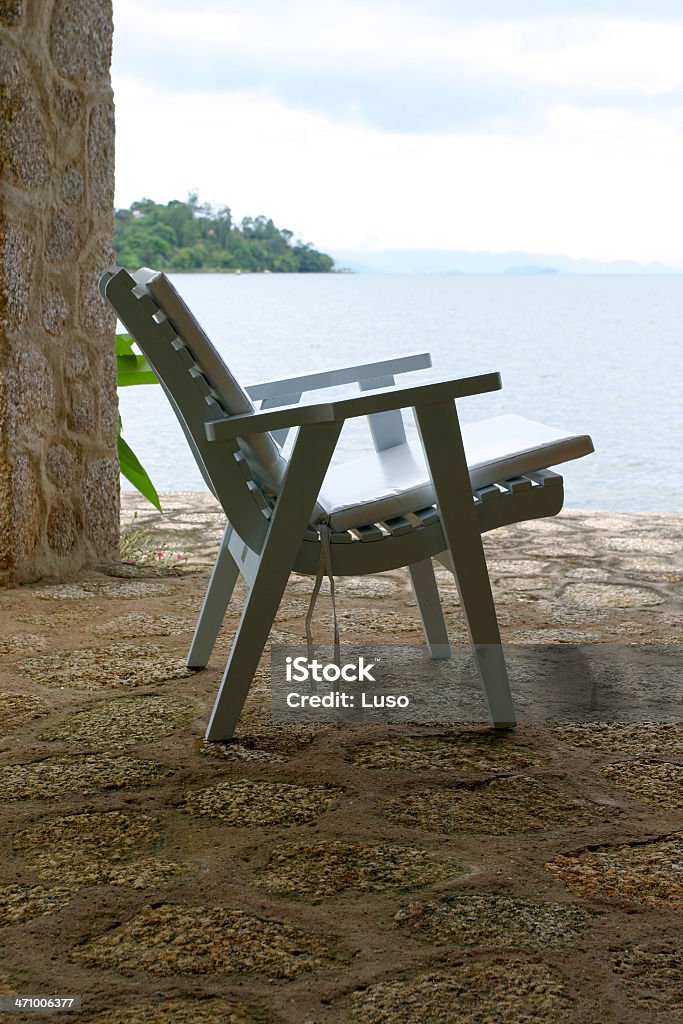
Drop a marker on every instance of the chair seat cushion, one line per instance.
(396, 481)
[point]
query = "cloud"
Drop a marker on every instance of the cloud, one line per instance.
(586, 184)
(405, 67)
(369, 125)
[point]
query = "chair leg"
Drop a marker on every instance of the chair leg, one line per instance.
(442, 442)
(429, 604)
(214, 607)
(310, 458)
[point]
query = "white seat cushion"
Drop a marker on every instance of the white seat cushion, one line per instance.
(396, 481)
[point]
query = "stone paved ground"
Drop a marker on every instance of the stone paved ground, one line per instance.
(334, 873)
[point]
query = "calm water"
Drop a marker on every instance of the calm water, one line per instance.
(595, 354)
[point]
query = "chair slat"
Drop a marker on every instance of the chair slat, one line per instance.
(244, 466)
(427, 515)
(369, 533)
(257, 494)
(164, 327)
(342, 537)
(546, 478)
(516, 484)
(487, 493)
(201, 382)
(398, 525)
(184, 354)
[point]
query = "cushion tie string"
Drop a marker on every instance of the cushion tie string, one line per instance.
(324, 569)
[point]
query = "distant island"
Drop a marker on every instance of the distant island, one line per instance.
(187, 236)
(464, 261)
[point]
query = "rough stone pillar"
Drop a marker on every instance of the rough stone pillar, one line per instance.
(59, 500)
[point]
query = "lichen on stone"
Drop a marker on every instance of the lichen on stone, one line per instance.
(492, 919)
(652, 980)
(17, 252)
(645, 873)
(509, 992)
(472, 751)
(501, 806)
(182, 1010)
(123, 722)
(214, 940)
(319, 871)
(59, 776)
(55, 309)
(19, 903)
(243, 803)
(116, 666)
(80, 39)
(25, 146)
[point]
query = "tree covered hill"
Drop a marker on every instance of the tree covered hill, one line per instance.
(192, 237)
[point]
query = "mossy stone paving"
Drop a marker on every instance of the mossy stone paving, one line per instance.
(383, 585)
(463, 752)
(119, 665)
(105, 588)
(482, 919)
(244, 803)
(589, 596)
(257, 732)
(319, 871)
(645, 873)
(145, 625)
(90, 848)
(276, 636)
(59, 776)
(19, 903)
(659, 783)
(240, 753)
(380, 623)
(177, 939)
(497, 807)
(21, 643)
(117, 832)
(18, 709)
(72, 868)
(622, 737)
(124, 721)
(484, 993)
(200, 1010)
(652, 980)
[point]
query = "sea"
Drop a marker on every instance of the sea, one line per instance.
(595, 354)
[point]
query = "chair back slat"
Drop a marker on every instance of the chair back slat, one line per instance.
(262, 452)
(192, 397)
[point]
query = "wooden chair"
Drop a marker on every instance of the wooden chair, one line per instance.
(400, 506)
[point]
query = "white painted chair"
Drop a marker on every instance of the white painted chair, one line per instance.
(400, 506)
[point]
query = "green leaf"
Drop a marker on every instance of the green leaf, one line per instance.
(124, 345)
(136, 474)
(132, 369)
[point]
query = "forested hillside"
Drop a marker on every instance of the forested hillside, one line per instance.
(187, 236)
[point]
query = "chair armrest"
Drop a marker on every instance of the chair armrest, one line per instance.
(381, 400)
(342, 375)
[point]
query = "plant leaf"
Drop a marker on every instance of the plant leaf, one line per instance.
(132, 369)
(124, 345)
(135, 473)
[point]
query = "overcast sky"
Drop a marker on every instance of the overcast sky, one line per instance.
(370, 124)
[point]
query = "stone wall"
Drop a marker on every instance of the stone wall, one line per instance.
(58, 406)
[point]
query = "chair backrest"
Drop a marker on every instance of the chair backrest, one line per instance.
(245, 475)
